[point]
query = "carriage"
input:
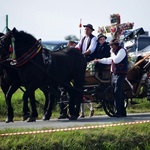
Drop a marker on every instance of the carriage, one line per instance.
(99, 90)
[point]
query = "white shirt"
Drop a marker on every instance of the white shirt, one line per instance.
(115, 58)
(85, 42)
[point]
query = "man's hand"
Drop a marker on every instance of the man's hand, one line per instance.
(112, 51)
(96, 61)
(88, 52)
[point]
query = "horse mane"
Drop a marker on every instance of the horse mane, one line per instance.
(26, 36)
(1, 34)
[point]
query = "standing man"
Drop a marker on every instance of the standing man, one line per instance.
(87, 46)
(88, 43)
(119, 66)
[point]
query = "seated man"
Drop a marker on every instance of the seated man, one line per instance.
(103, 51)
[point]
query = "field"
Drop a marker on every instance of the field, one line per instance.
(142, 105)
(127, 137)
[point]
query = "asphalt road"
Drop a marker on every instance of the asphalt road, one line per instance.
(95, 120)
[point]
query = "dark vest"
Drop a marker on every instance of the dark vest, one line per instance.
(93, 55)
(89, 42)
(121, 67)
(103, 51)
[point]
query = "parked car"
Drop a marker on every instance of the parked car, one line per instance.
(54, 45)
(141, 46)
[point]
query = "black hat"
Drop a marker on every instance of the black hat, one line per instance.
(114, 42)
(101, 35)
(89, 25)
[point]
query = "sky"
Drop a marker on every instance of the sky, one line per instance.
(55, 19)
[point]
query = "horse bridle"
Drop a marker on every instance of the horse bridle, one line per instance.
(4, 44)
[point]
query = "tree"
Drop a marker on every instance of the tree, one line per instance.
(71, 38)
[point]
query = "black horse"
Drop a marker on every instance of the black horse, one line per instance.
(59, 69)
(10, 83)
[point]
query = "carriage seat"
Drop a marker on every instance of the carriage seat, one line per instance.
(92, 77)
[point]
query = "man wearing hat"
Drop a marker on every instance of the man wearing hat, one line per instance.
(87, 46)
(88, 43)
(119, 66)
(102, 51)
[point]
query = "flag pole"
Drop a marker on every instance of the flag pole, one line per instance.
(80, 26)
(6, 23)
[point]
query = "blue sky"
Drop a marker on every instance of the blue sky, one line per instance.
(54, 19)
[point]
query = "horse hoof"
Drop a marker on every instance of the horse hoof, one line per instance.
(8, 120)
(26, 117)
(31, 119)
(73, 118)
(46, 118)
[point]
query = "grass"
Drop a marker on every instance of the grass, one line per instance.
(142, 106)
(127, 137)
(134, 137)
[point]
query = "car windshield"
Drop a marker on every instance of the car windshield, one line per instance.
(143, 42)
(54, 46)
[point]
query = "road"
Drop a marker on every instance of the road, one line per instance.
(95, 120)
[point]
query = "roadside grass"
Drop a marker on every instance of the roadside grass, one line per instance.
(127, 137)
(142, 106)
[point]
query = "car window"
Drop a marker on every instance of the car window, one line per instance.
(143, 42)
(49, 46)
(54, 47)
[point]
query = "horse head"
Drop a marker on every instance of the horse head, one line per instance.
(5, 41)
(17, 42)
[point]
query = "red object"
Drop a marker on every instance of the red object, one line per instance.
(10, 49)
(80, 25)
(113, 29)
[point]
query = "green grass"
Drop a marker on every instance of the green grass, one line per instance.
(134, 137)
(127, 137)
(142, 106)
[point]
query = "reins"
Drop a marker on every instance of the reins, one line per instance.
(54, 78)
(32, 52)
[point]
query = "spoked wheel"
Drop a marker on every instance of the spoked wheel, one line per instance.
(109, 107)
(108, 102)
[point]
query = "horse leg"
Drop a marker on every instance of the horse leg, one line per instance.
(8, 92)
(34, 113)
(50, 105)
(26, 114)
(8, 96)
(76, 97)
(71, 101)
(29, 93)
(46, 93)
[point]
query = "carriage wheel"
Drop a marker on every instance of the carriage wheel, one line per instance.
(108, 102)
(109, 107)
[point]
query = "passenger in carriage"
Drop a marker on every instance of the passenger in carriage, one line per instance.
(87, 46)
(119, 67)
(103, 51)
(88, 43)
